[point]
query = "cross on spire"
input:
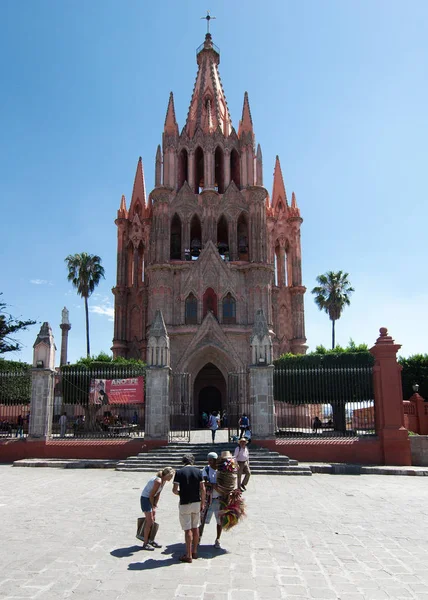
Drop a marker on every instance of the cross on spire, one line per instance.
(208, 18)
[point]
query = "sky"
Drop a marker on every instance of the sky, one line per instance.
(338, 89)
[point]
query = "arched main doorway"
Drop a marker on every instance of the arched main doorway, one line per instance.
(209, 392)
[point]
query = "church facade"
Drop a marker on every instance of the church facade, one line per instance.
(209, 248)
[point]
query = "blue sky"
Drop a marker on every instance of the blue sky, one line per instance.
(338, 89)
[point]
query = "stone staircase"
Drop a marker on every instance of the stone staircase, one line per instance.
(262, 460)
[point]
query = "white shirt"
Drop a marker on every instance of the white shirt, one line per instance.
(63, 420)
(213, 423)
(241, 454)
(212, 478)
(149, 486)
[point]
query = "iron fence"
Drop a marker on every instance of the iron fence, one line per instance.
(324, 401)
(180, 412)
(15, 397)
(237, 402)
(101, 402)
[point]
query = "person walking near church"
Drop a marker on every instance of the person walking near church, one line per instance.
(242, 457)
(212, 501)
(189, 485)
(213, 424)
(244, 422)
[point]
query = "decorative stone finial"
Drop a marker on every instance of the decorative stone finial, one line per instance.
(158, 354)
(384, 338)
(44, 348)
(65, 314)
(261, 343)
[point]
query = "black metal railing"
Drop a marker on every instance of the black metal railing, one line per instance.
(324, 400)
(105, 402)
(237, 403)
(15, 396)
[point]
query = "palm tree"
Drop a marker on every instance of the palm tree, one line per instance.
(332, 295)
(84, 272)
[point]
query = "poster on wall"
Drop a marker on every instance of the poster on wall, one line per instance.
(105, 392)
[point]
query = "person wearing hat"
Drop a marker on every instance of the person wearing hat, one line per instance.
(212, 502)
(242, 457)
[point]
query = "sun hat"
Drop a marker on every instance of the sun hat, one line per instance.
(212, 455)
(226, 454)
(243, 440)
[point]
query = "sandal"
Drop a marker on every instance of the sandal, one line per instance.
(185, 559)
(194, 556)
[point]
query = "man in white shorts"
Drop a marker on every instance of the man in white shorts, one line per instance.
(189, 485)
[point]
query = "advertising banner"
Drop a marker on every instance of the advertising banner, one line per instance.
(105, 392)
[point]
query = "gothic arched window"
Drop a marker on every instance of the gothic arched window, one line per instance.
(175, 241)
(191, 312)
(229, 309)
(199, 170)
(219, 170)
(235, 168)
(195, 237)
(210, 302)
(223, 238)
(242, 236)
(182, 168)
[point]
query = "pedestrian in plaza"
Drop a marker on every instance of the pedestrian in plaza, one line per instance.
(19, 426)
(244, 422)
(248, 435)
(149, 501)
(212, 502)
(189, 485)
(213, 424)
(242, 457)
(63, 424)
(317, 424)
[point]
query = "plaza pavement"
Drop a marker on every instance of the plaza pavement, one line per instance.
(70, 534)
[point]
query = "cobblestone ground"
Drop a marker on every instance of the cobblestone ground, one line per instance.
(70, 534)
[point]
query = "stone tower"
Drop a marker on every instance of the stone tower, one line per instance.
(208, 247)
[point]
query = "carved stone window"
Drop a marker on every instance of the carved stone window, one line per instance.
(175, 242)
(191, 311)
(229, 309)
(210, 302)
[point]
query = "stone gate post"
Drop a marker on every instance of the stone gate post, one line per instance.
(158, 375)
(388, 392)
(42, 384)
(261, 380)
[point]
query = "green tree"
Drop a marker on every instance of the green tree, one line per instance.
(332, 295)
(8, 327)
(84, 272)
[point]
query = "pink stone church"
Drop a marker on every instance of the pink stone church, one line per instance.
(209, 248)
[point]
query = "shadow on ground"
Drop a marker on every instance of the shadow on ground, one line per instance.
(173, 551)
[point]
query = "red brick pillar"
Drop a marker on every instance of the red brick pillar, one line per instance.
(389, 402)
(420, 414)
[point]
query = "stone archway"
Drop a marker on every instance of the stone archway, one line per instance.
(209, 392)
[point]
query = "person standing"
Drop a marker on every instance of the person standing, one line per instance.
(242, 457)
(213, 424)
(244, 422)
(19, 426)
(149, 501)
(63, 424)
(212, 501)
(189, 485)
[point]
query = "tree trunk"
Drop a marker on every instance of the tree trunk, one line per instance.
(333, 340)
(88, 351)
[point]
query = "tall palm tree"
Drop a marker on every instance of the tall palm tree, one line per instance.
(332, 295)
(84, 272)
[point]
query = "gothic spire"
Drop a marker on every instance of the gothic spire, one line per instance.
(259, 166)
(294, 210)
(122, 213)
(171, 127)
(246, 122)
(158, 167)
(278, 193)
(139, 191)
(208, 107)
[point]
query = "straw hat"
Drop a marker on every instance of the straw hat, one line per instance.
(226, 454)
(243, 440)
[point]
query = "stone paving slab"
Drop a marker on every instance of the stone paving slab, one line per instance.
(70, 534)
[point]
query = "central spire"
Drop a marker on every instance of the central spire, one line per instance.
(208, 109)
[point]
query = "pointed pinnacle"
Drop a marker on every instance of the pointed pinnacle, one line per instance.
(259, 152)
(278, 191)
(123, 204)
(158, 153)
(293, 200)
(246, 122)
(171, 126)
(139, 190)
